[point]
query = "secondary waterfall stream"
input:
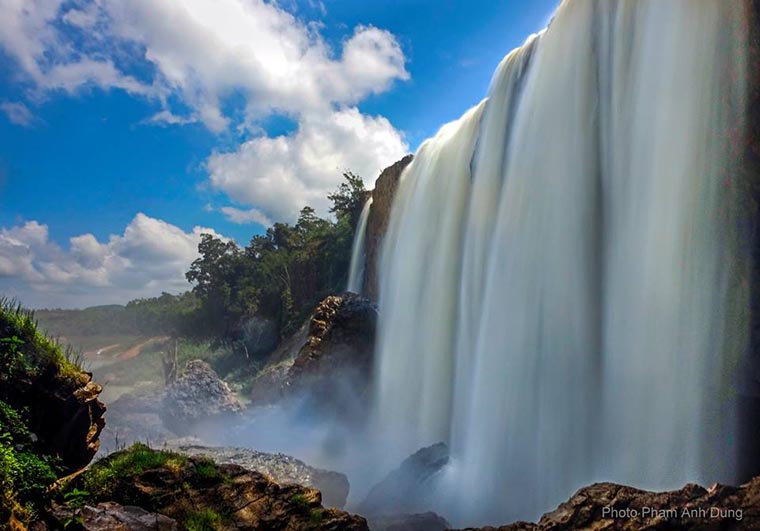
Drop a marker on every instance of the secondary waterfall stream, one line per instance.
(358, 252)
(563, 291)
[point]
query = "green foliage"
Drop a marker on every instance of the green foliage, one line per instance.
(203, 520)
(24, 350)
(207, 471)
(24, 479)
(100, 478)
(300, 502)
(281, 274)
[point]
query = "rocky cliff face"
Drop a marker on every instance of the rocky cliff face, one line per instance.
(64, 414)
(333, 365)
(610, 507)
(377, 223)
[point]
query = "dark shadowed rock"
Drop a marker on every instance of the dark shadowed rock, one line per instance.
(110, 516)
(283, 469)
(408, 489)
(333, 365)
(606, 506)
(377, 223)
(64, 414)
(198, 395)
(409, 522)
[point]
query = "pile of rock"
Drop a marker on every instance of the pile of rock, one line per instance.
(197, 396)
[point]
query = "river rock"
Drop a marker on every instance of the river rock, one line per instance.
(610, 507)
(408, 488)
(409, 522)
(283, 469)
(197, 396)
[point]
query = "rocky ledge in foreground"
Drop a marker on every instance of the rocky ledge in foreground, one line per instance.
(197, 494)
(610, 507)
(282, 468)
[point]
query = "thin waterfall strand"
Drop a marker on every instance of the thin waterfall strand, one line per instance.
(358, 252)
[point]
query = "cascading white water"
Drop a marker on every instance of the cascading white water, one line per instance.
(358, 252)
(560, 292)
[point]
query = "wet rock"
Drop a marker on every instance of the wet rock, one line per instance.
(197, 396)
(408, 489)
(110, 516)
(606, 506)
(377, 223)
(409, 522)
(283, 469)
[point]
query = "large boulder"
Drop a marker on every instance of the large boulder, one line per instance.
(610, 507)
(197, 396)
(200, 494)
(409, 488)
(283, 469)
(332, 367)
(377, 222)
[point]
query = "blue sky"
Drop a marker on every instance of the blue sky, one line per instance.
(132, 127)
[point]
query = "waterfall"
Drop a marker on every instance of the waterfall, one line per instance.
(563, 289)
(358, 252)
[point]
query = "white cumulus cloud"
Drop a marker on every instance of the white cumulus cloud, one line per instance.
(225, 63)
(282, 174)
(150, 257)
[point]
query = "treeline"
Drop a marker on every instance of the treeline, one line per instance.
(245, 297)
(281, 275)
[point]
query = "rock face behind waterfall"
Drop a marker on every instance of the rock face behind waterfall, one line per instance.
(408, 488)
(379, 216)
(333, 365)
(610, 507)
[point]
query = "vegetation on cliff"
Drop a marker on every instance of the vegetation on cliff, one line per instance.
(28, 463)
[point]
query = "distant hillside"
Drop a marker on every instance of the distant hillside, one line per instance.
(96, 321)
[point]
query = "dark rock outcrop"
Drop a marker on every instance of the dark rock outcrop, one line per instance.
(377, 223)
(409, 522)
(333, 366)
(606, 506)
(408, 488)
(64, 414)
(197, 396)
(283, 469)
